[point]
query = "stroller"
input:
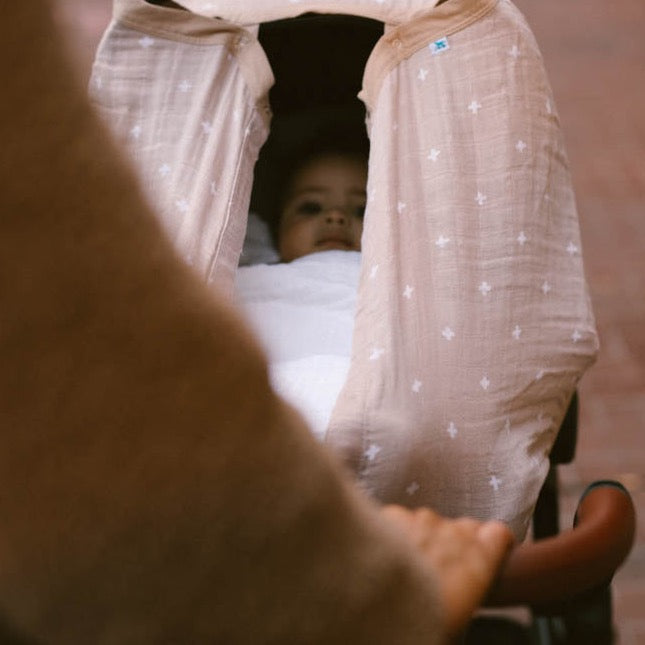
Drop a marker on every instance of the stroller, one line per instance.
(473, 322)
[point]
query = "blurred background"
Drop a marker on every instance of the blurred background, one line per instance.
(595, 54)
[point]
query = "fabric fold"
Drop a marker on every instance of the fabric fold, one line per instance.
(187, 96)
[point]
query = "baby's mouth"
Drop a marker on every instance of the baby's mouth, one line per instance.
(334, 243)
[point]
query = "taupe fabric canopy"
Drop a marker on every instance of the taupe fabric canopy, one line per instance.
(473, 323)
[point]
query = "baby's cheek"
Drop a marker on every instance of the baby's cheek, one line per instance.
(358, 234)
(297, 240)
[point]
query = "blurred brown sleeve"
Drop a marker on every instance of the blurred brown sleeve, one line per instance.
(153, 489)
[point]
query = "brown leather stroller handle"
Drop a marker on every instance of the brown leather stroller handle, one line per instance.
(560, 568)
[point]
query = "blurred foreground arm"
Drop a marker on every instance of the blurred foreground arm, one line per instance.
(153, 487)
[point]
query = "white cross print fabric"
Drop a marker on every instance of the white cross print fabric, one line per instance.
(473, 332)
(187, 95)
(473, 320)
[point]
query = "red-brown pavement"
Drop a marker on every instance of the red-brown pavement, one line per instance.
(595, 54)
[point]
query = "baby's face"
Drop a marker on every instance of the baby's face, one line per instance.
(324, 207)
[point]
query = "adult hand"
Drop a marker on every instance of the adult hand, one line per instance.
(464, 554)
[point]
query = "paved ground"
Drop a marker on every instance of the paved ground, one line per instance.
(596, 58)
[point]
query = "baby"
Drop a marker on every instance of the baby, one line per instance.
(302, 308)
(323, 206)
(320, 198)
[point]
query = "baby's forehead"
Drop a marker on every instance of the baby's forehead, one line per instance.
(326, 176)
(332, 157)
(328, 163)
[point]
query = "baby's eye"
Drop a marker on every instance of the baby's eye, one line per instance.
(309, 208)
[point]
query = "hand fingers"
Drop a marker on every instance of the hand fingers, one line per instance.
(496, 538)
(464, 554)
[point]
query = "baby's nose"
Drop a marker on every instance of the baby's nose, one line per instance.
(336, 215)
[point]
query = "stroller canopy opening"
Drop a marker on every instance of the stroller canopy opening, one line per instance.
(317, 60)
(318, 63)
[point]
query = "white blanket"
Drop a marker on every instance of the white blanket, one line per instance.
(303, 313)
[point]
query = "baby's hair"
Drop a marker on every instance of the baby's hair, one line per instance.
(335, 140)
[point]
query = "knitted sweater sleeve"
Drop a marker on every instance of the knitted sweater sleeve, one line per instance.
(154, 488)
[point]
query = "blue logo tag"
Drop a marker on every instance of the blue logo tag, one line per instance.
(439, 46)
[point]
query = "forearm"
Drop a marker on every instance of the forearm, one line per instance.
(153, 487)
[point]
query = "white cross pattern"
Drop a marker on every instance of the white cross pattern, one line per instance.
(520, 146)
(207, 127)
(452, 430)
(481, 198)
(517, 332)
(572, 249)
(164, 170)
(423, 73)
(484, 288)
(184, 86)
(146, 42)
(372, 451)
(485, 383)
(377, 352)
(416, 386)
(373, 271)
(408, 291)
(434, 154)
(495, 482)
(514, 51)
(546, 287)
(182, 205)
(474, 106)
(400, 207)
(522, 239)
(442, 241)
(576, 336)
(447, 333)
(136, 131)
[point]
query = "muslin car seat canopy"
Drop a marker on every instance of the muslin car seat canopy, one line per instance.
(254, 12)
(473, 320)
